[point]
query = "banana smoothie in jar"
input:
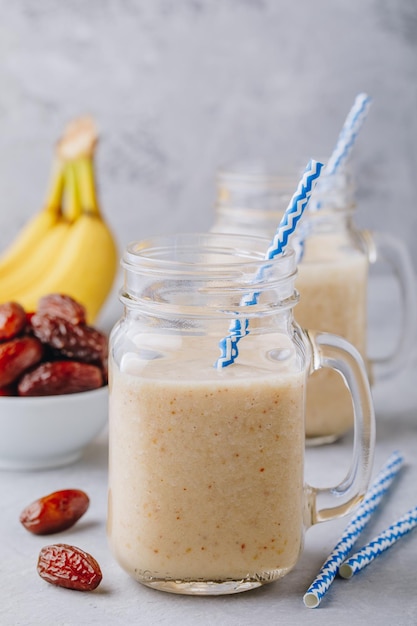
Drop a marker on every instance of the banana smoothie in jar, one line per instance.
(333, 285)
(207, 493)
(333, 275)
(334, 259)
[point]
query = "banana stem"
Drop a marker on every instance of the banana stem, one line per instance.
(87, 186)
(73, 207)
(56, 188)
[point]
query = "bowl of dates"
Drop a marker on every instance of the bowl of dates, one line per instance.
(53, 383)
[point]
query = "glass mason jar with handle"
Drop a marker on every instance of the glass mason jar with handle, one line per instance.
(333, 277)
(206, 463)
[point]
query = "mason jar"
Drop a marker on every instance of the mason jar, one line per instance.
(207, 493)
(334, 259)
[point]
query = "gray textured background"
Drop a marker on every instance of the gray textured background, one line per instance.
(180, 87)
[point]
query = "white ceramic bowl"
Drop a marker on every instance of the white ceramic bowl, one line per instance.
(49, 431)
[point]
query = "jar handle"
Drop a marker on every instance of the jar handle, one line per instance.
(338, 354)
(384, 246)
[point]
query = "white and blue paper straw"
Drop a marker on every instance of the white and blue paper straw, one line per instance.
(239, 328)
(349, 133)
(379, 544)
(342, 150)
(373, 497)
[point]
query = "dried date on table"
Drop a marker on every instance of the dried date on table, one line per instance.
(70, 567)
(55, 512)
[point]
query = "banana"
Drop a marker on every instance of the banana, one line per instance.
(16, 254)
(67, 248)
(35, 262)
(86, 265)
(85, 269)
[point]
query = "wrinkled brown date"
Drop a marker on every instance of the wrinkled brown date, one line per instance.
(55, 512)
(12, 320)
(55, 333)
(70, 567)
(16, 356)
(75, 341)
(60, 377)
(63, 306)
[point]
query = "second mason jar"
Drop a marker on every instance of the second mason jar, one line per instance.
(333, 272)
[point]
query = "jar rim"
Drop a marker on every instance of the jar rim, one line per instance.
(192, 253)
(250, 185)
(259, 173)
(206, 275)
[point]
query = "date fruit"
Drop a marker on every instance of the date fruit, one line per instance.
(61, 305)
(55, 512)
(12, 320)
(16, 356)
(35, 345)
(74, 341)
(68, 566)
(59, 377)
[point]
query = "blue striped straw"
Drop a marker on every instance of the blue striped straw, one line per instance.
(379, 544)
(239, 328)
(349, 133)
(342, 149)
(373, 497)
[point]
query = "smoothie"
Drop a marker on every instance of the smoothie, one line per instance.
(332, 282)
(206, 466)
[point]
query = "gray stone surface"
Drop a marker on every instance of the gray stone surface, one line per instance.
(179, 88)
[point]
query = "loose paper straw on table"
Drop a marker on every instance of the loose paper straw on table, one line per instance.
(349, 133)
(373, 497)
(239, 328)
(379, 544)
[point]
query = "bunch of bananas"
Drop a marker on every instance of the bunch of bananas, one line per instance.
(67, 247)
